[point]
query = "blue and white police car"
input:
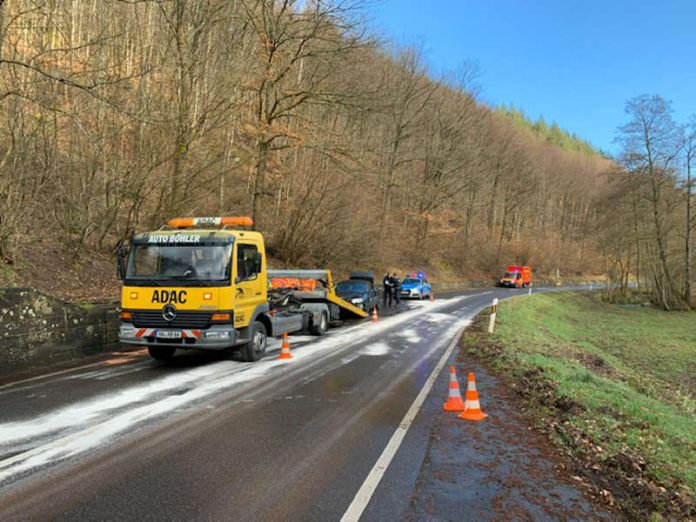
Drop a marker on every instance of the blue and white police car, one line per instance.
(415, 286)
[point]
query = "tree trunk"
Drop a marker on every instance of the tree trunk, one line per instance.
(663, 267)
(634, 206)
(391, 176)
(258, 176)
(689, 230)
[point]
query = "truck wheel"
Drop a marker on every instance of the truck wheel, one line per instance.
(161, 353)
(255, 349)
(322, 327)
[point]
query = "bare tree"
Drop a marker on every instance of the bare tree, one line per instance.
(293, 45)
(651, 148)
(409, 92)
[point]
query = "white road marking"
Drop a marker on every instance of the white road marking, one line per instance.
(369, 486)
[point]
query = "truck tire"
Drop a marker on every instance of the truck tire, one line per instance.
(322, 327)
(161, 353)
(255, 349)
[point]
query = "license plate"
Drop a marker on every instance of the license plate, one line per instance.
(169, 334)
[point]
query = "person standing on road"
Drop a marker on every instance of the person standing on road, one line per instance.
(396, 288)
(387, 295)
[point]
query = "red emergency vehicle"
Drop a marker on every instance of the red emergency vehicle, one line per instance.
(516, 276)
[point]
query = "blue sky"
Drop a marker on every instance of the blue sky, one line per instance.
(572, 61)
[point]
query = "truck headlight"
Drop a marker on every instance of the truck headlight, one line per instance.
(217, 335)
(126, 331)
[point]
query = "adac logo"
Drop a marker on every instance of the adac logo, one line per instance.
(169, 313)
(166, 296)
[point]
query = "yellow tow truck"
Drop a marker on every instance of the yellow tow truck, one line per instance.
(199, 284)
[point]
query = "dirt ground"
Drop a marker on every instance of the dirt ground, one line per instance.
(54, 269)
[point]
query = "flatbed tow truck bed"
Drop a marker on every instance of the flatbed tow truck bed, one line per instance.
(326, 294)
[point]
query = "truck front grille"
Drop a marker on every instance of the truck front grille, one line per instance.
(183, 319)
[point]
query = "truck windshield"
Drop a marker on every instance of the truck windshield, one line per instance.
(512, 275)
(179, 263)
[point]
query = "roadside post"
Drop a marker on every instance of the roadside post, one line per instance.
(491, 324)
(530, 289)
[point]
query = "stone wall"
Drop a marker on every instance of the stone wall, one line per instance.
(37, 329)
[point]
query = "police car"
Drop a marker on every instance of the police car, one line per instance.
(415, 286)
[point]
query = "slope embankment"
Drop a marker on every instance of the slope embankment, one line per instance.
(612, 386)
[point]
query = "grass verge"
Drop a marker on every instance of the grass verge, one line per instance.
(613, 386)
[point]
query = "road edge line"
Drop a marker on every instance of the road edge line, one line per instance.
(369, 486)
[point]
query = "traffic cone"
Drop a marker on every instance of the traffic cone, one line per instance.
(454, 397)
(285, 348)
(472, 409)
(375, 318)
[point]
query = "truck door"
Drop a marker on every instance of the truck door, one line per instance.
(248, 284)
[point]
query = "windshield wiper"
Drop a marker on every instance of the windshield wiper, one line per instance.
(177, 281)
(144, 282)
(155, 282)
(189, 272)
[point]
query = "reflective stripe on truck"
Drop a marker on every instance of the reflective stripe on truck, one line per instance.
(185, 334)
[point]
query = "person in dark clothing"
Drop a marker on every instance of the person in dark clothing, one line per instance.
(396, 288)
(387, 295)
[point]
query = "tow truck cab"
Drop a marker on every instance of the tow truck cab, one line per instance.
(191, 286)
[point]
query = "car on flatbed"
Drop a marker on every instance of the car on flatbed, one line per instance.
(360, 290)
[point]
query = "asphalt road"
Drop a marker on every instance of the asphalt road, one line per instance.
(208, 438)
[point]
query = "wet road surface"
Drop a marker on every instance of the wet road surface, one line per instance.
(210, 438)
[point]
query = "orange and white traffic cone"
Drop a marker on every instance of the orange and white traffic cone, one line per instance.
(285, 348)
(472, 409)
(375, 317)
(454, 396)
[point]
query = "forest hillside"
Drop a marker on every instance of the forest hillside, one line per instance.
(117, 115)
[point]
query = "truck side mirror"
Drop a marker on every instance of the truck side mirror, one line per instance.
(122, 251)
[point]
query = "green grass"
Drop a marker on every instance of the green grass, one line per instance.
(632, 367)
(7, 275)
